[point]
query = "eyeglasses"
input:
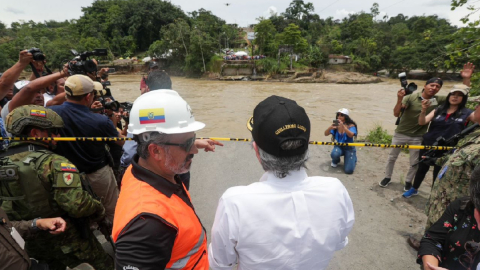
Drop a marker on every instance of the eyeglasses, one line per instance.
(340, 114)
(187, 145)
(467, 259)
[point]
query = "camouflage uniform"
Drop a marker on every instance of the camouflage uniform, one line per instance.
(454, 177)
(39, 183)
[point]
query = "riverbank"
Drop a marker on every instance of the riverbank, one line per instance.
(324, 76)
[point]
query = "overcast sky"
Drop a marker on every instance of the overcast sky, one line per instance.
(242, 12)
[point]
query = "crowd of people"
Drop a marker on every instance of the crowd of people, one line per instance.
(136, 192)
(243, 57)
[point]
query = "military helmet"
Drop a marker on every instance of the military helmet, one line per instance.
(32, 115)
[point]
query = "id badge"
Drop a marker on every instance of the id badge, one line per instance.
(18, 238)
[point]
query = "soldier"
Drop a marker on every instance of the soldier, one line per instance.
(38, 183)
(453, 179)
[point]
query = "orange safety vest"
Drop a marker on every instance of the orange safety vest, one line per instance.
(137, 197)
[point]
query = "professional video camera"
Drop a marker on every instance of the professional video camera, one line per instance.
(81, 64)
(37, 54)
(409, 87)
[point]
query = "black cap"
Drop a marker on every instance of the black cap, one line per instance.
(276, 120)
(435, 80)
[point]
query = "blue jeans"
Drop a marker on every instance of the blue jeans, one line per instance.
(350, 159)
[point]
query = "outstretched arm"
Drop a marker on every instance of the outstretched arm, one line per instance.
(11, 75)
(467, 72)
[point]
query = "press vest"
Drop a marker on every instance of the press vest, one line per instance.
(446, 128)
(25, 196)
(138, 197)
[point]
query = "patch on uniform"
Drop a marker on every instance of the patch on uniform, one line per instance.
(39, 113)
(442, 172)
(67, 167)
(152, 116)
(68, 178)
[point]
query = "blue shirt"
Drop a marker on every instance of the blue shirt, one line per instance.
(79, 121)
(129, 150)
(343, 138)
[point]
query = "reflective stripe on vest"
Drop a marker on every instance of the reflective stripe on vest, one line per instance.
(182, 262)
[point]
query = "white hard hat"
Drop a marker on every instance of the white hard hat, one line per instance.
(163, 111)
(343, 111)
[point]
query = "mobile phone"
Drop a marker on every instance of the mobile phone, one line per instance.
(335, 122)
(111, 70)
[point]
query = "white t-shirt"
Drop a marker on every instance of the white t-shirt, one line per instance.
(297, 222)
(46, 98)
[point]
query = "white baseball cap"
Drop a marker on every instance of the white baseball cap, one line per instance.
(460, 88)
(343, 111)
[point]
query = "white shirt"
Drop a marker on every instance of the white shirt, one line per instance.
(46, 98)
(297, 222)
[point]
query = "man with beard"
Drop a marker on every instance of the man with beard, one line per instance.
(155, 225)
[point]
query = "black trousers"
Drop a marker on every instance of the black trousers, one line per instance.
(422, 171)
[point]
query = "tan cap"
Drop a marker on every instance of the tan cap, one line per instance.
(460, 88)
(78, 85)
(99, 88)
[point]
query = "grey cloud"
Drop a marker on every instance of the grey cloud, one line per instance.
(14, 10)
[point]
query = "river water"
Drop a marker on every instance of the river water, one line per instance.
(225, 106)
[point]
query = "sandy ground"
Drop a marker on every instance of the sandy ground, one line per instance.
(384, 219)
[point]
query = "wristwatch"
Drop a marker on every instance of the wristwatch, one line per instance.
(34, 224)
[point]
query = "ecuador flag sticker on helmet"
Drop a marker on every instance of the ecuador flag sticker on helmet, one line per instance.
(152, 116)
(39, 113)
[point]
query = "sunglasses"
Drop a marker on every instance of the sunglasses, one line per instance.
(340, 114)
(187, 145)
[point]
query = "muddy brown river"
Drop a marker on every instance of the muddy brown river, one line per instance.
(225, 106)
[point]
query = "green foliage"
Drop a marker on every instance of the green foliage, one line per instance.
(270, 66)
(378, 135)
(265, 38)
(292, 35)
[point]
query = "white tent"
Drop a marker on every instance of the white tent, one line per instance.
(240, 53)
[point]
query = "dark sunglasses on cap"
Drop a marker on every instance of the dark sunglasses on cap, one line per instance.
(187, 145)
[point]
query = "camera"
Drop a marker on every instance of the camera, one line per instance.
(409, 87)
(81, 64)
(112, 105)
(127, 107)
(335, 122)
(37, 54)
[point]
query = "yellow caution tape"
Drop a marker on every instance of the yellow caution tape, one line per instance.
(109, 139)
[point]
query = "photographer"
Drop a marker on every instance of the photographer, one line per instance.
(31, 92)
(445, 121)
(88, 156)
(408, 130)
(343, 130)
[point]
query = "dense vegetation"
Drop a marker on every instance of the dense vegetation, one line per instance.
(189, 41)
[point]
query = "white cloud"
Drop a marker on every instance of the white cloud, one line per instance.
(270, 11)
(14, 10)
(342, 13)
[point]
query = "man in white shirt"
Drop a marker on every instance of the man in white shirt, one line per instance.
(287, 220)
